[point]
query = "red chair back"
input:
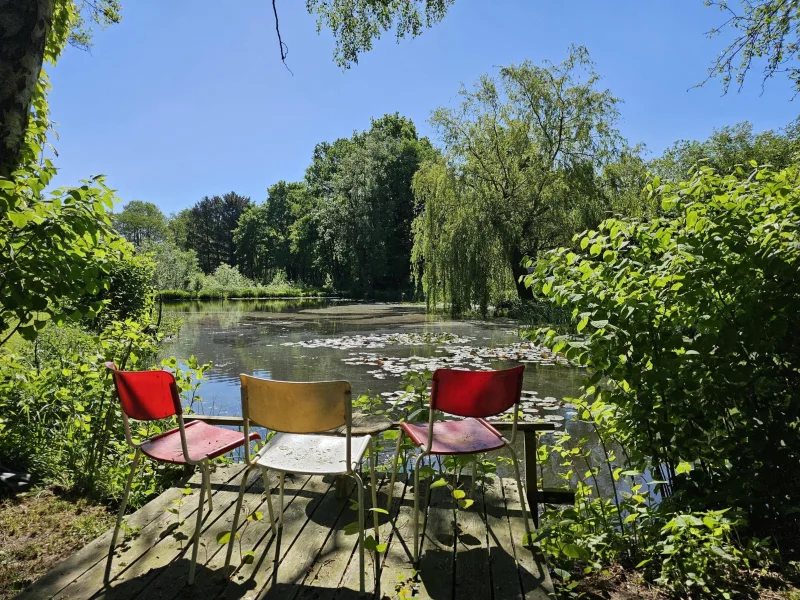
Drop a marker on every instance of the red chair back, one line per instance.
(147, 395)
(476, 393)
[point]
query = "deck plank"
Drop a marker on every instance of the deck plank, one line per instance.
(350, 579)
(535, 578)
(437, 558)
(397, 573)
(159, 583)
(156, 546)
(91, 560)
(299, 561)
(472, 572)
(506, 583)
(257, 577)
(84, 559)
(315, 560)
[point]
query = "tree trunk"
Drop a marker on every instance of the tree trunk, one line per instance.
(523, 292)
(24, 27)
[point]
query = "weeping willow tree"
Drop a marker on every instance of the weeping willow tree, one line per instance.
(452, 259)
(528, 160)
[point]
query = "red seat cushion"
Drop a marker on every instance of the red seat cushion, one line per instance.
(468, 436)
(203, 440)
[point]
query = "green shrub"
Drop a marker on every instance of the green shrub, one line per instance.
(690, 322)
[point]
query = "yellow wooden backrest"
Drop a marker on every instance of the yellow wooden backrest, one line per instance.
(295, 407)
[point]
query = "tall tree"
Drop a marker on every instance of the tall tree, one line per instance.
(525, 154)
(264, 236)
(210, 229)
(365, 204)
(32, 32)
(141, 221)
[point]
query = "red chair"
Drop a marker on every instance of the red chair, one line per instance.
(153, 395)
(470, 394)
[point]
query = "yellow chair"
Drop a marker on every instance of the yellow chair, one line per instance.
(297, 411)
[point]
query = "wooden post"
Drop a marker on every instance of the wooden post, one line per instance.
(531, 483)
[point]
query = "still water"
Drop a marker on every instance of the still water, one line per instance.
(265, 338)
(313, 340)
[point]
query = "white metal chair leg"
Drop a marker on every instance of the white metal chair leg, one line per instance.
(417, 542)
(521, 490)
(208, 486)
(198, 526)
(360, 484)
(120, 516)
(235, 525)
(373, 484)
(395, 462)
(280, 515)
(265, 475)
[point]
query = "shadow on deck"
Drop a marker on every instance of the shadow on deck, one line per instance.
(312, 557)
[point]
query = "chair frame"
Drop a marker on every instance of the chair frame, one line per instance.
(252, 463)
(508, 444)
(205, 488)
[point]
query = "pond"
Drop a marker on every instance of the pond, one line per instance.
(368, 344)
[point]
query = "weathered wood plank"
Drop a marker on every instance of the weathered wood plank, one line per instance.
(504, 572)
(257, 577)
(397, 572)
(472, 572)
(437, 558)
(156, 543)
(350, 580)
(89, 556)
(533, 573)
(163, 577)
(300, 560)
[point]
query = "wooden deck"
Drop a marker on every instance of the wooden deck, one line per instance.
(312, 558)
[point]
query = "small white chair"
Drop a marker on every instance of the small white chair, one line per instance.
(297, 411)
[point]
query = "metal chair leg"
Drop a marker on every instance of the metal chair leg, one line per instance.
(521, 491)
(416, 540)
(235, 525)
(208, 487)
(374, 486)
(265, 475)
(122, 507)
(280, 515)
(198, 526)
(396, 460)
(360, 484)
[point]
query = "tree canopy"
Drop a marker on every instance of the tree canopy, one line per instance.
(140, 222)
(525, 156)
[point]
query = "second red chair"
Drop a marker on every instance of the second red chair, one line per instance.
(474, 395)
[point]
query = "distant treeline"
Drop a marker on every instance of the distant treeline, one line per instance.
(383, 214)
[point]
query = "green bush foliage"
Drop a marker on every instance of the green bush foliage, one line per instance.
(688, 324)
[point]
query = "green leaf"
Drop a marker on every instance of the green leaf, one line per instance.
(438, 483)
(683, 467)
(583, 323)
(18, 219)
(459, 494)
(248, 557)
(223, 537)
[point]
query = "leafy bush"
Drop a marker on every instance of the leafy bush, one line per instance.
(690, 327)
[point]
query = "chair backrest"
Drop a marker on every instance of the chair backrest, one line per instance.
(294, 407)
(476, 393)
(146, 395)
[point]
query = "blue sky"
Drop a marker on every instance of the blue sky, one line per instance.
(187, 98)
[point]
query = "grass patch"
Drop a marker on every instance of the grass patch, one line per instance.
(40, 529)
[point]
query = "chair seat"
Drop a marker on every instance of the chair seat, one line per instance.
(467, 436)
(311, 454)
(202, 440)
